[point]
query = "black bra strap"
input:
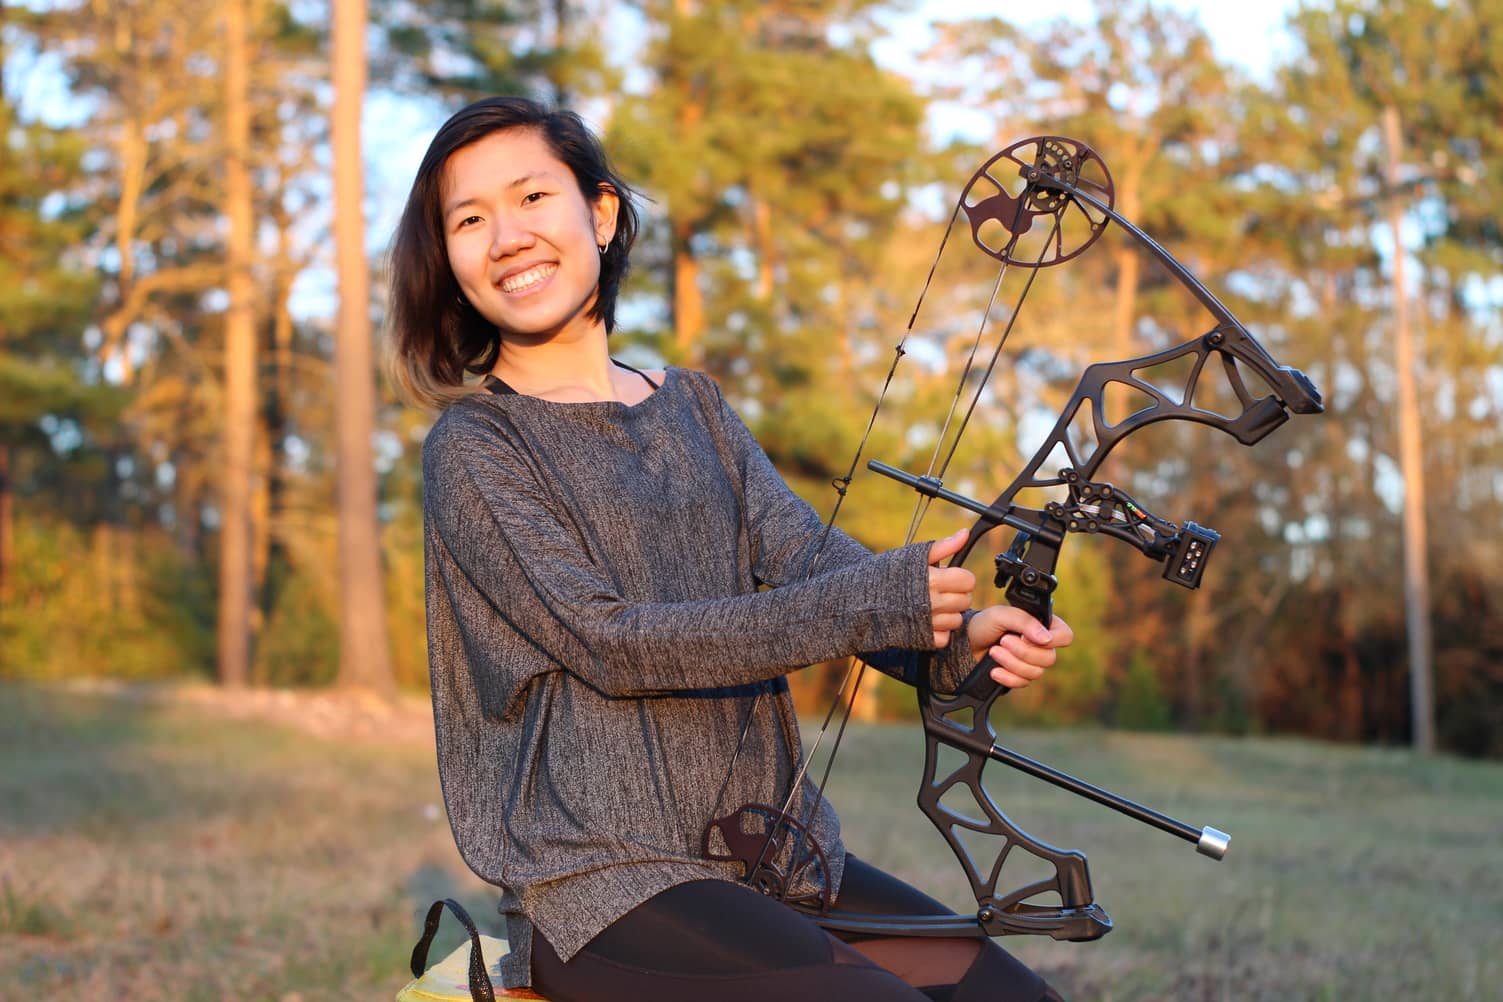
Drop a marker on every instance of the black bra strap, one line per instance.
(497, 385)
(645, 376)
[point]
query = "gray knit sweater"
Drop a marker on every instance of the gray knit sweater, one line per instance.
(598, 629)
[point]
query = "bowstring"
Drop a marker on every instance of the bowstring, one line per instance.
(842, 487)
(922, 507)
(856, 667)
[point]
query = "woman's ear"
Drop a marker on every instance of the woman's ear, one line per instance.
(607, 204)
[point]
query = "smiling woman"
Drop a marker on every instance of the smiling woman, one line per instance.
(525, 251)
(501, 191)
(618, 582)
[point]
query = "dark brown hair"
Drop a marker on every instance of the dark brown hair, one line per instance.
(436, 337)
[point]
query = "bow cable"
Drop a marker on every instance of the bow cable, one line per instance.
(922, 508)
(842, 485)
(856, 667)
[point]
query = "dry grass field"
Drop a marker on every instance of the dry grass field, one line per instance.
(172, 844)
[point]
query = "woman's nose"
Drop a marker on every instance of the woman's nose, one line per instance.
(508, 237)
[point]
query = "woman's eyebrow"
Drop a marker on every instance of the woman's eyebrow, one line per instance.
(514, 183)
(462, 203)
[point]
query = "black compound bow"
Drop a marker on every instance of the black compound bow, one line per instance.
(1064, 182)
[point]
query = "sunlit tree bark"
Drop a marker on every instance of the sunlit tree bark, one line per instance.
(364, 660)
(1411, 459)
(239, 362)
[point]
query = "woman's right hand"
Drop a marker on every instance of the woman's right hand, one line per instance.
(949, 588)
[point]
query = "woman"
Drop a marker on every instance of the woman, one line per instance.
(607, 667)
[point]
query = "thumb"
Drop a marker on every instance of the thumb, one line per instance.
(943, 549)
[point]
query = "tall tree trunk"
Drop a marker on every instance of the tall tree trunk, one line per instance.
(561, 96)
(1125, 305)
(364, 658)
(7, 524)
(279, 399)
(260, 523)
(688, 303)
(1411, 463)
(133, 151)
(239, 363)
(766, 249)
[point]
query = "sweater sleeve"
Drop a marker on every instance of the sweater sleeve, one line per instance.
(786, 534)
(507, 546)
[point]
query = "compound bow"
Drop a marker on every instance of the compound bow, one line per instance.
(1065, 182)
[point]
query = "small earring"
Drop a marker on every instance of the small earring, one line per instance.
(603, 247)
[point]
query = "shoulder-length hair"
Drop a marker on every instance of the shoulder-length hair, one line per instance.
(435, 336)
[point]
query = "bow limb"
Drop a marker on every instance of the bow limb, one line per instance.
(1293, 388)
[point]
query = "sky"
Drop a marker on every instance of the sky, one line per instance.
(1247, 33)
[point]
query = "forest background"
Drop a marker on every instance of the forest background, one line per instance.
(204, 476)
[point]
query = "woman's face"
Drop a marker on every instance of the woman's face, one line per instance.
(522, 239)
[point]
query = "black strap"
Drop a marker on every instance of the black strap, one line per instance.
(645, 376)
(480, 981)
(499, 386)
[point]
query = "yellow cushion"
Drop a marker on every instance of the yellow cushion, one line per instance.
(449, 979)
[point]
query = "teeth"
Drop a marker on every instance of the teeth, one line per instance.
(527, 279)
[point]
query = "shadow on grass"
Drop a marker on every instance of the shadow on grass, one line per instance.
(92, 763)
(71, 755)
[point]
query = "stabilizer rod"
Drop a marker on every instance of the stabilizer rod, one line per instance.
(1208, 841)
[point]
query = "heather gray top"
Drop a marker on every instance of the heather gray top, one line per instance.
(597, 631)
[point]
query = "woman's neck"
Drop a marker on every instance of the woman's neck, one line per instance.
(570, 371)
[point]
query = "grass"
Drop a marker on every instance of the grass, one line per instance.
(154, 847)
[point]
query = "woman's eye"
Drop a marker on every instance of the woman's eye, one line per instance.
(536, 196)
(467, 220)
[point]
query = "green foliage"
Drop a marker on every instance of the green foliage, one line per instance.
(406, 615)
(298, 645)
(26, 914)
(773, 198)
(1074, 692)
(43, 284)
(463, 50)
(31, 389)
(1140, 704)
(117, 604)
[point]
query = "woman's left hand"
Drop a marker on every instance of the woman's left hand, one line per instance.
(1022, 646)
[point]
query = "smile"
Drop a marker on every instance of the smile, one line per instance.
(526, 281)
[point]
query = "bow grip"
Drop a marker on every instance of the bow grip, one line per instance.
(1038, 602)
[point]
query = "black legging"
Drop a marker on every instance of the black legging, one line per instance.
(715, 941)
